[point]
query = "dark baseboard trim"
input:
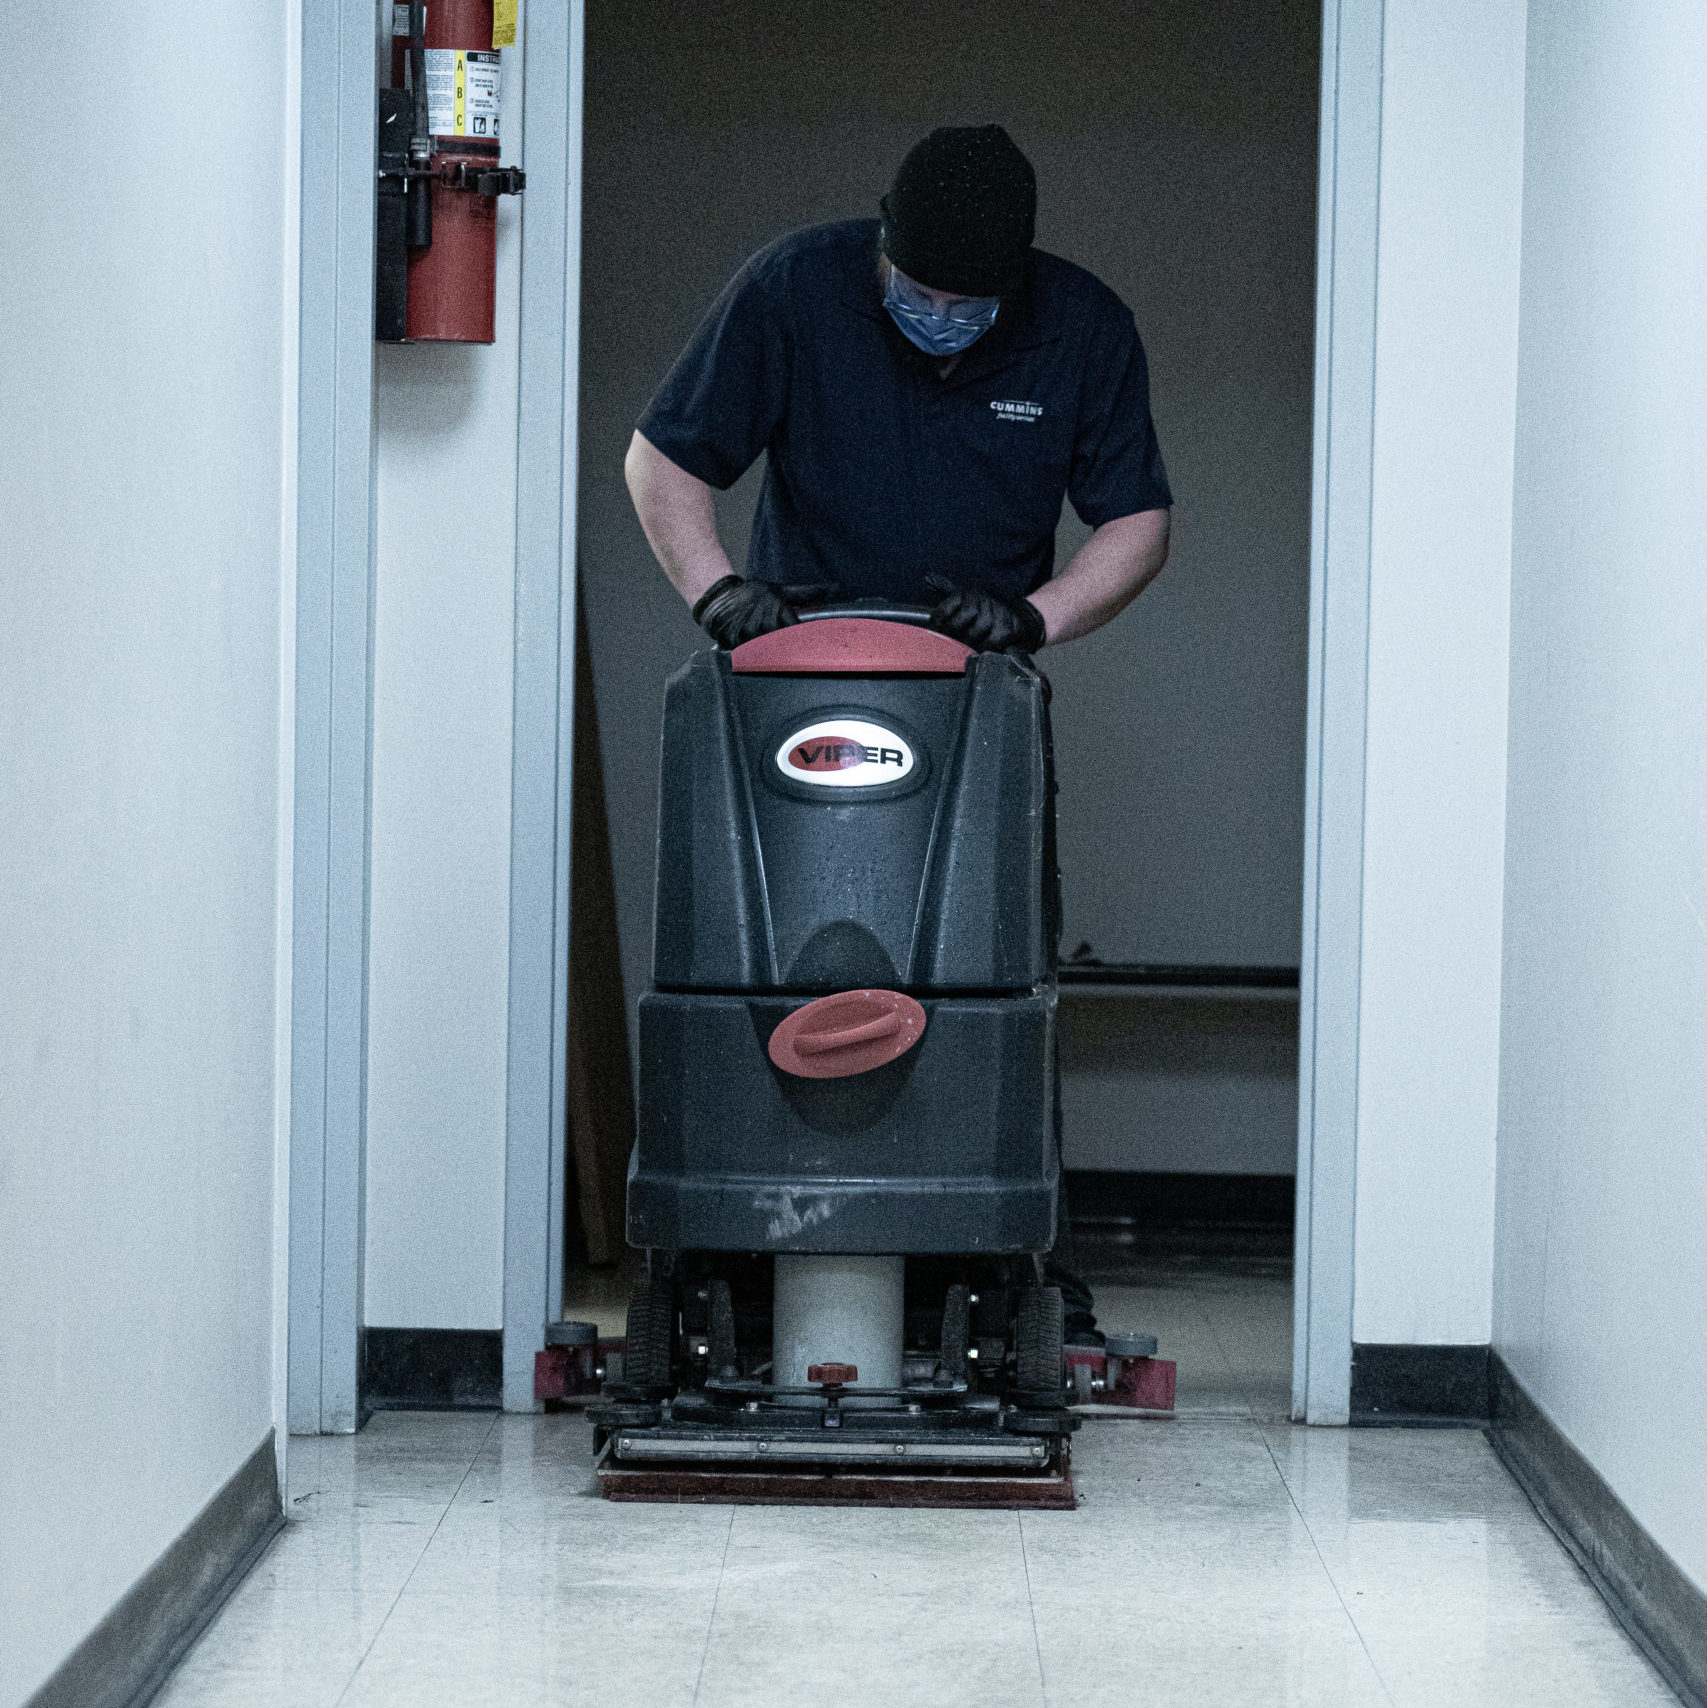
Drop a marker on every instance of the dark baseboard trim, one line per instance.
(1122, 1217)
(432, 1369)
(1092, 971)
(1665, 1614)
(1183, 1200)
(124, 1661)
(1412, 1387)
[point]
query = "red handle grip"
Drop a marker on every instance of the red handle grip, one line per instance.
(820, 1043)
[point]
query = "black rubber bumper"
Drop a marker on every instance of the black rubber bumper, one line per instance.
(948, 1149)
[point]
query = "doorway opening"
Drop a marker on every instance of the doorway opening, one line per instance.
(1176, 147)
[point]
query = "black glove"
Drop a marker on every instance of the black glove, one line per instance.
(734, 610)
(984, 622)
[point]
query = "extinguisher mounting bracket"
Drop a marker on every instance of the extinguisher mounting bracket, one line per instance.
(460, 175)
(482, 180)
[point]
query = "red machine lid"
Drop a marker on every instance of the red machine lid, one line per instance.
(851, 646)
(851, 1032)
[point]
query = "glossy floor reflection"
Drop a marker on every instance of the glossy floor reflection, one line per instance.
(1226, 1558)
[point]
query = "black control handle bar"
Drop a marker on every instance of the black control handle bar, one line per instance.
(879, 610)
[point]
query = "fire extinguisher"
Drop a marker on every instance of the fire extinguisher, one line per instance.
(439, 176)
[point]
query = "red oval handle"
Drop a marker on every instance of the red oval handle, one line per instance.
(820, 1043)
(848, 1032)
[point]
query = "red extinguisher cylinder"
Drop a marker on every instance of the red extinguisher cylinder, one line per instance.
(453, 282)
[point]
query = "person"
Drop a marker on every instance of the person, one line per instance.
(927, 388)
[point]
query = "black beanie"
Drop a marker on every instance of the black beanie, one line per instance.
(962, 211)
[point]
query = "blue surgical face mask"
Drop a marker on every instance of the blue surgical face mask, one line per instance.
(938, 332)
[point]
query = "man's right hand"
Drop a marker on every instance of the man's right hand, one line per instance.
(734, 609)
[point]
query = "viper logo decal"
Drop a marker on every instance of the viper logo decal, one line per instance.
(845, 753)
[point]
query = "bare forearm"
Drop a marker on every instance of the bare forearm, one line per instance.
(675, 512)
(1110, 570)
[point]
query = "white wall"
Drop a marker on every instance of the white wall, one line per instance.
(1446, 374)
(146, 336)
(1602, 1259)
(438, 992)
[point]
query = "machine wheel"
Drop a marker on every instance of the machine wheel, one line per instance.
(956, 1332)
(1038, 1334)
(720, 1341)
(648, 1358)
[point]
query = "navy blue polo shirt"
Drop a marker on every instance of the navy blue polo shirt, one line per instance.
(880, 472)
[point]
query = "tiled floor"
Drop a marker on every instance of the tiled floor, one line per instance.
(1226, 1558)
(1228, 1329)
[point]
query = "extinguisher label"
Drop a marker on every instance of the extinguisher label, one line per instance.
(462, 92)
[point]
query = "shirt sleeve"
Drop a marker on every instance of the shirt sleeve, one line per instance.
(1117, 463)
(727, 393)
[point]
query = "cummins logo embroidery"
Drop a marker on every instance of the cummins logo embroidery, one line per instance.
(845, 753)
(1009, 410)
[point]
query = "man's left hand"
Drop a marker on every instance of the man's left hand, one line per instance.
(984, 622)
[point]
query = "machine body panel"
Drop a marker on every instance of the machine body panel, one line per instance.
(925, 874)
(949, 1148)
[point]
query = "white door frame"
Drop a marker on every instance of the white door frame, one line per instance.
(333, 722)
(542, 767)
(334, 649)
(342, 46)
(1348, 224)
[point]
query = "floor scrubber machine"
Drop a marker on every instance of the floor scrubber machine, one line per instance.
(847, 1169)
